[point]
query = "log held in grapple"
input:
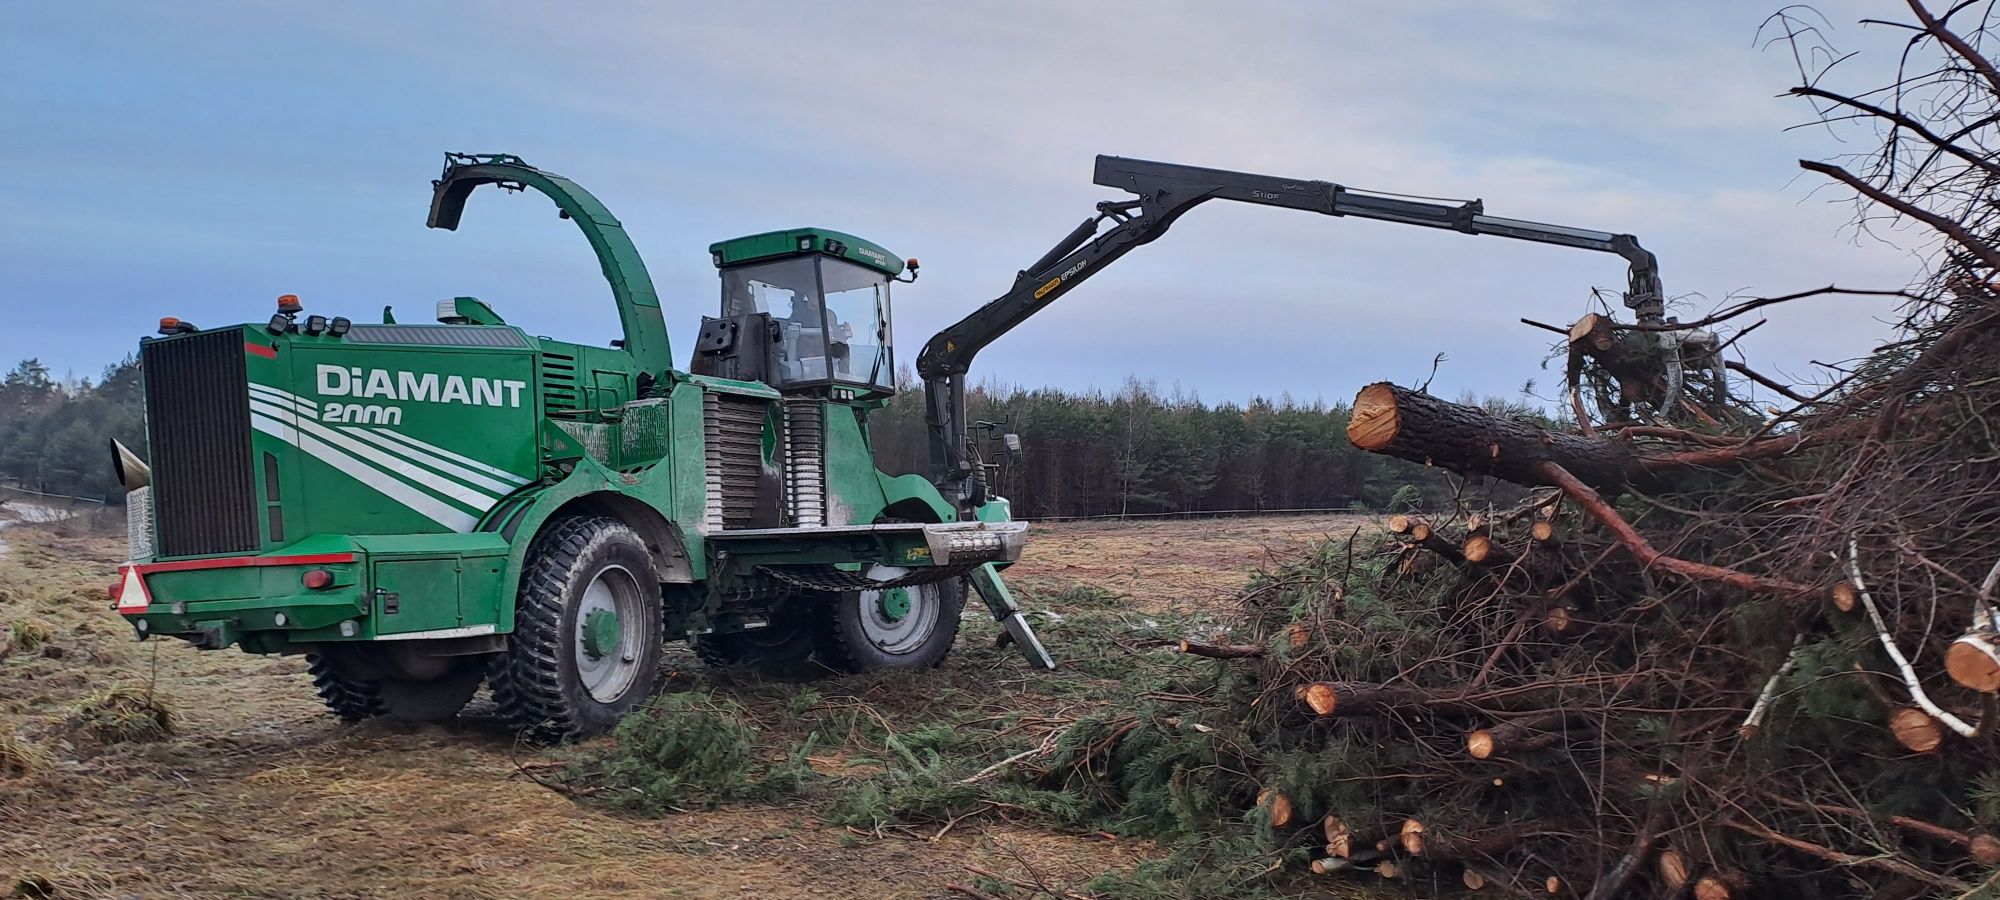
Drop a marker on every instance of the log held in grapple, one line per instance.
(1416, 426)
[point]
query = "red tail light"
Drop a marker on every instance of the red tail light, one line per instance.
(317, 579)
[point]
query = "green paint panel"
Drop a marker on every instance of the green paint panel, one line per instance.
(732, 386)
(415, 595)
(906, 492)
(853, 485)
(790, 242)
(998, 509)
(390, 439)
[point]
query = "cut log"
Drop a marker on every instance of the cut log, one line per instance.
(1387, 869)
(1634, 360)
(1480, 549)
(1542, 531)
(1297, 635)
(1673, 869)
(1411, 425)
(1722, 886)
(1339, 838)
(1277, 805)
(1523, 735)
(1426, 537)
(1323, 697)
(1401, 524)
(1472, 880)
(1552, 884)
(1974, 661)
(1915, 729)
(1412, 837)
(1844, 597)
(1396, 421)
(1330, 866)
(1219, 651)
(1560, 619)
(1592, 332)
(1985, 850)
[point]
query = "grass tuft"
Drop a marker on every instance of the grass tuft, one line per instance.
(28, 635)
(33, 887)
(18, 758)
(122, 713)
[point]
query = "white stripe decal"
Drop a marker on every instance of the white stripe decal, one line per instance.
(430, 507)
(440, 451)
(274, 392)
(308, 407)
(404, 467)
(408, 471)
(285, 405)
(442, 465)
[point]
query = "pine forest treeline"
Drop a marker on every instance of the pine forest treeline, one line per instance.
(54, 433)
(1084, 453)
(1141, 451)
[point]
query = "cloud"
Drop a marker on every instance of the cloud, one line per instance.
(963, 135)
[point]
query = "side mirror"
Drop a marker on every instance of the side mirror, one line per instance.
(128, 468)
(1011, 441)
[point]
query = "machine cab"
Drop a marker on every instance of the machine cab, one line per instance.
(802, 309)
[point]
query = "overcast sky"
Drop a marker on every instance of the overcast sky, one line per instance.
(198, 160)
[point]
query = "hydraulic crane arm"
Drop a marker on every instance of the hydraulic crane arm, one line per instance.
(1164, 192)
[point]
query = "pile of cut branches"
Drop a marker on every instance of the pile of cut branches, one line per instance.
(1725, 650)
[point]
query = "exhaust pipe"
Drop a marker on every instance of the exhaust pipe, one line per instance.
(130, 470)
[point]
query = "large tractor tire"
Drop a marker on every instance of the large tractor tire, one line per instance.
(586, 644)
(898, 628)
(356, 686)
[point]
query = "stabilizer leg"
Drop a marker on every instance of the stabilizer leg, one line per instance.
(986, 580)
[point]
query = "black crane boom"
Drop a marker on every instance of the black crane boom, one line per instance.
(1165, 191)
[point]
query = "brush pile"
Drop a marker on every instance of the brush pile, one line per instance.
(1725, 650)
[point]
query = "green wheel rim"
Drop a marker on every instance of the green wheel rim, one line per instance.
(600, 633)
(895, 604)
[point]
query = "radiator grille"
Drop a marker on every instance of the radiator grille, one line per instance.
(805, 463)
(139, 523)
(198, 422)
(559, 393)
(735, 456)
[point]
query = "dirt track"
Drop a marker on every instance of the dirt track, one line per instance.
(259, 793)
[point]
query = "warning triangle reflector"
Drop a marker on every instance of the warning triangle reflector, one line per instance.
(132, 595)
